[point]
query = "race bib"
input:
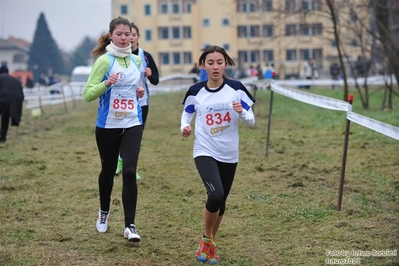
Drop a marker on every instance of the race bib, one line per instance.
(217, 118)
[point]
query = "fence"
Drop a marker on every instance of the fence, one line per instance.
(332, 104)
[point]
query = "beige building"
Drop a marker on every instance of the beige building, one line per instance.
(252, 32)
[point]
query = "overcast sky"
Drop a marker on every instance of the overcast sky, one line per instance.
(69, 21)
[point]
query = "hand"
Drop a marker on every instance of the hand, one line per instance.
(147, 72)
(237, 107)
(186, 132)
(140, 92)
(111, 80)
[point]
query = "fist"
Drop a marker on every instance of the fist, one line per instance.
(140, 92)
(237, 107)
(113, 78)
(186, 132)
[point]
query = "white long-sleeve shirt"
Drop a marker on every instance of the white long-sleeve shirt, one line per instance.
(216, 122)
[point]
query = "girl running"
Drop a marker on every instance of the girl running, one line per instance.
(219, 103)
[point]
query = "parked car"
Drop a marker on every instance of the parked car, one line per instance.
(79, 77)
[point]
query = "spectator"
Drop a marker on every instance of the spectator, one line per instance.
(29, 83)
(195, 71)
(43, 80)
(309, 71)
(11, 99)
(268, 73)
(252, 72)
(360, 66)
(335, 71)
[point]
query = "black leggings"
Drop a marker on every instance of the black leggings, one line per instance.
(110, 142)
(218, 178)
(5, 122)
(144, 110)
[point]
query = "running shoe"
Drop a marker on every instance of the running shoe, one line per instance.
(203, 249)
(131, 234)
(138, 177)
(213, 258)
(102, 221)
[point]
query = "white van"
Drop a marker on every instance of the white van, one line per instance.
(79, 77)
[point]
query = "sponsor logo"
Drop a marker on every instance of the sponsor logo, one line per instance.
(122, 114)
(218, 107)
(216, 130)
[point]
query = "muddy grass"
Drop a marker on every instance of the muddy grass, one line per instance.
(282, 209)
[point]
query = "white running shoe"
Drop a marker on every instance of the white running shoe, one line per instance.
(131, 234)
(102, 221)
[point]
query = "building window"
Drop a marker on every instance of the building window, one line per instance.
(164, 9)
(226, 46)
(317, 54)
(164, 58)
(290, 5)
(317, 29)
(354, 42)
(241, 6)
(147, 10)
(225, 21)
(254, 56)
(205, 22)
(254, 31)
(205, 45)
(163, 33)
(188, 8)
(290, 29)
(268, 55)
(148, 35)
(253, 8)
(311, 5)
(176, 58)
(291, 55)
(242, 31)
(186, 32)
(175, 8)
(175, 33)
(304, 54)
(267, 5)
(188, 58)
(242, 56)
(353, 17)
(123, 9)
(311, 29)
(267, 30)
(306, 29)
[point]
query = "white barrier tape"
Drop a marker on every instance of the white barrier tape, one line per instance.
(371, 80)
(313, 99)
(386, 129)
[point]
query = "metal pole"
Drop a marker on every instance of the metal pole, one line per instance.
(341, 182)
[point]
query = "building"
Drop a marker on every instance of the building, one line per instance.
(285, 33)
(14, 53)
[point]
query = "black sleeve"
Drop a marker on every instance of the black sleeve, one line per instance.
(154, 78)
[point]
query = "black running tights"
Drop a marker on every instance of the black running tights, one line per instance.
(110, 142)
(218, 178)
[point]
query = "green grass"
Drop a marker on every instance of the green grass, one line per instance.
(281, 210)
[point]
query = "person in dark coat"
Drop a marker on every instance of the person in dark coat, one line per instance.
(11, 100)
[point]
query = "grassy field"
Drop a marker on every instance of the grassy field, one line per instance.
(281, 210)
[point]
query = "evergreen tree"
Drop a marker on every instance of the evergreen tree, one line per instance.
(81, 56)
(44, 55)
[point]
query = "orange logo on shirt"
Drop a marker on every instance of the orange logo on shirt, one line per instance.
(215, 130)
